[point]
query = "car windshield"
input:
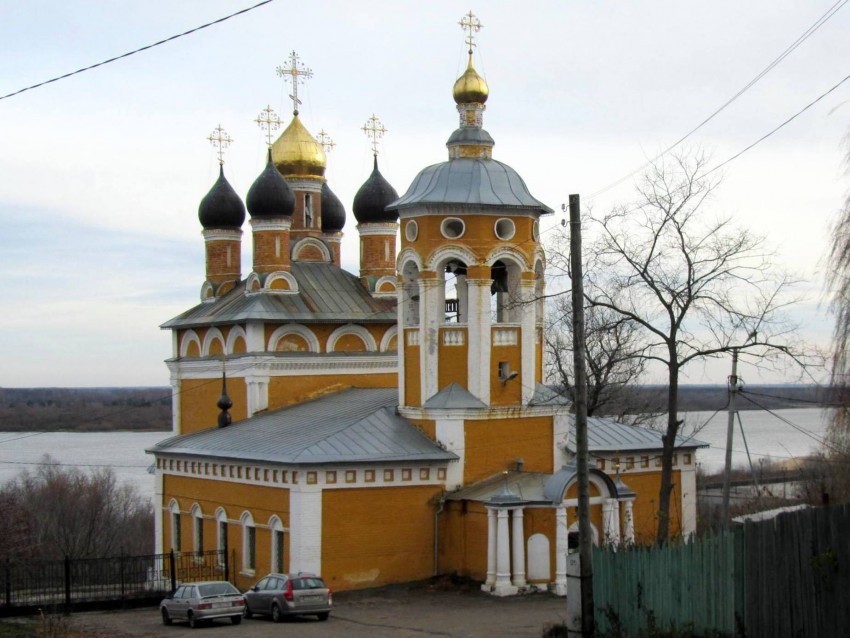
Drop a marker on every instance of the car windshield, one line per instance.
(217, 589)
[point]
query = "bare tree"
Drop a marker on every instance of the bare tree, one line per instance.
(60, 512)
(838, 280)
(696, 285)
(614, 369)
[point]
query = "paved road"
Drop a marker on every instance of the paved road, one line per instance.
(396, 612)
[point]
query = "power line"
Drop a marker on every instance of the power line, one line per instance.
(790, 49)
(144, 48)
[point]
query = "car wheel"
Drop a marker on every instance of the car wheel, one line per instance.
(246, 612)
(236, 619)
(166, 619)
(277, 616)
(323, 616)
(193, 622)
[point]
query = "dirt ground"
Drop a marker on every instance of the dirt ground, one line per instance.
(397, 612)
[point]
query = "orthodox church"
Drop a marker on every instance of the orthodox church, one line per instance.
(393, 424)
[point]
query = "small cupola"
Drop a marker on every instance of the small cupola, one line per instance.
(270, 195)
(333, 212)
(372, 198)
(221, 207)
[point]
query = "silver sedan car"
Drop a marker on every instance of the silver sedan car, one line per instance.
(279, 595)
(198, 602)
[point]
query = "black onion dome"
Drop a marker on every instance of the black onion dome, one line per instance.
(373, 197)
(333, 212)
(221, 207)
(270, 195)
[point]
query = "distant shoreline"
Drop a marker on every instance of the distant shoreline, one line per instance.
(148, 409)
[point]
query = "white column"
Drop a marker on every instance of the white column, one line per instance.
(610, 522)
(478, 331)
(518, 551)
(255, 337)
(157, 509)
(176, 425)
(305, 540)
(401, 339)
(258, 393)
(528, 332)
(561, 541)
(503, 586)
(431, 315)
(629, 523)
(491, 550)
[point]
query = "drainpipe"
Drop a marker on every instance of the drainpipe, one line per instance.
(439, 511)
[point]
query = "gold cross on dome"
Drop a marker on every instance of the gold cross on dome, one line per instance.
(325, 140)
(374, 130)
(269, 122)
(296, 73)
(473, 24)
(220, 141)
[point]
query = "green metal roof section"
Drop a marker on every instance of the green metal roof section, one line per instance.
(326, 294)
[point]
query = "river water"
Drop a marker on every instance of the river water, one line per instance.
(788, 434)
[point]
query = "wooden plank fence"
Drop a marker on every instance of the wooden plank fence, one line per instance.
(789, 576)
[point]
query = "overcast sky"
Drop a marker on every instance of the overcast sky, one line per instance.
(101, 174)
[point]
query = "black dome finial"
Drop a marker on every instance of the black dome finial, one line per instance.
(224, 403)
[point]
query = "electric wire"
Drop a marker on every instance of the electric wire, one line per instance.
(139, 50)
(790, 49)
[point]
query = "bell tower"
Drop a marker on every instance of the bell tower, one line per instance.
(470, 268)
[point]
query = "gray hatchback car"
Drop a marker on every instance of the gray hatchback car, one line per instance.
(198, 602)
(279, 595)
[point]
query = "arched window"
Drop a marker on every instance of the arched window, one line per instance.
(276, 528)
(505, 287)
(455, 291)
(221, 533)
(198, 529)
(174, 509)
(249, 543)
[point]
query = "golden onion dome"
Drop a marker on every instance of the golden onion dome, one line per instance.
(470, 87)
(297, 154)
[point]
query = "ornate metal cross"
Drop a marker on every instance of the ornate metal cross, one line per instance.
(297, 73)
(220, 141)
(473, 24)
(374, 130)
(325, 140)
(269, 122)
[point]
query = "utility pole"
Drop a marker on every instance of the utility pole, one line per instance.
(584, 530)
(727, 478)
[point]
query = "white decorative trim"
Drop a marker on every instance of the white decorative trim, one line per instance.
(207, 292)
(305, 540)
(352, 329)
(503, 336)
(443, 254)
(284, 364)
(232, 336)
(388, 336)
(287, 277)
(211, 335)
(382, 229)
(310, 185)
(407, 255)
(222, 234)
(310, 241)
(249, 284)
(411, 228)
(412, 336)
(453, 336)
(508, 253)
(259, 225)
(190, 336)
(294, 328)
(386, 293)
(247, 521)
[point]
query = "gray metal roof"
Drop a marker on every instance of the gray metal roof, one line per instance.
(544, 395)
(352, 426)
(326, 293)
(453, 396)
(527, 486)
(607, 435)
(473, 181)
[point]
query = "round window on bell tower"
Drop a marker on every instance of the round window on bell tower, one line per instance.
(411, 230)
(452, 228)
(505, 229)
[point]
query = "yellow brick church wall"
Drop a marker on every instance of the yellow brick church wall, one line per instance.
(494, 446)
(198, 398)
(285, 391)
(377, 536)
